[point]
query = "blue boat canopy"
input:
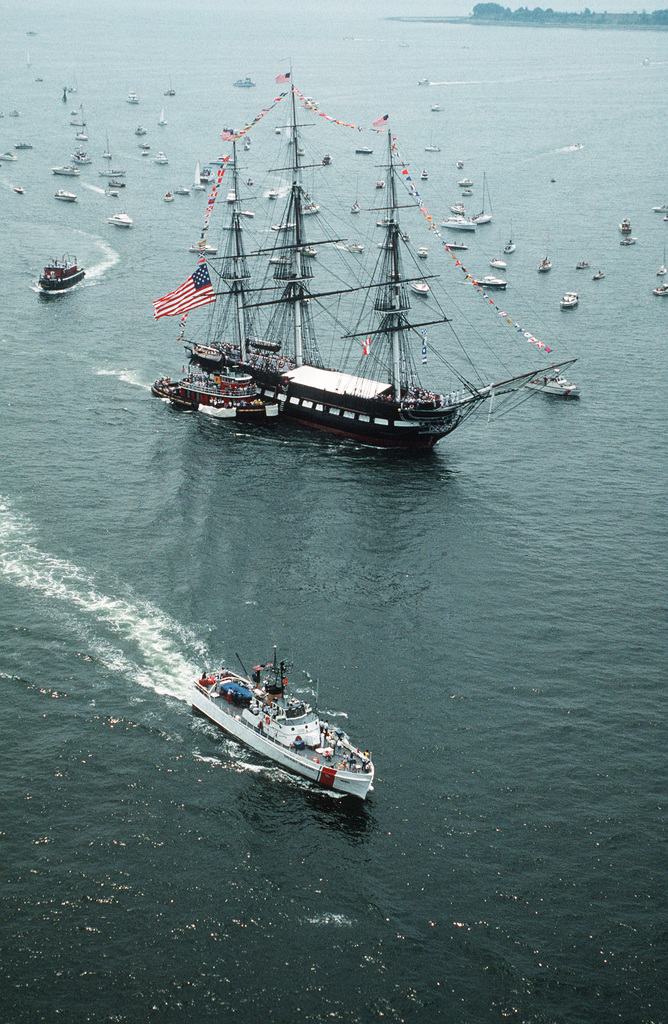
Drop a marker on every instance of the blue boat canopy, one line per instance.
(239, 691)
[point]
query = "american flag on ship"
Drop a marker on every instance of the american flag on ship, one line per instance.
(381, 122)
(196, 291)
(282, 78)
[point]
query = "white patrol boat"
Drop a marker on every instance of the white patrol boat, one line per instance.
(286, 729)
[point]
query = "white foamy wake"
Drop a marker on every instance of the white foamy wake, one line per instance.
(127, 376)
(109, 259)
(129, 636)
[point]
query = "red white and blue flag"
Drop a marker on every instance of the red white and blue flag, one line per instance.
(381, 122)
(196, 291)
(227, 134)
(280, 79)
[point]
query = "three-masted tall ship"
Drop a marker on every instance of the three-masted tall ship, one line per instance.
(381, 401)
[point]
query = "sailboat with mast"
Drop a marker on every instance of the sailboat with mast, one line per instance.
(382, 401)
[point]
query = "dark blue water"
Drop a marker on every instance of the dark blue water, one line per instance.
(489, 619)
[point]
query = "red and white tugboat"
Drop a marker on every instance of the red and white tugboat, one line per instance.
(224, 395)
(61, 274)
(260, 713)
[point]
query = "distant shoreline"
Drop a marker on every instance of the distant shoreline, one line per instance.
(494, 14)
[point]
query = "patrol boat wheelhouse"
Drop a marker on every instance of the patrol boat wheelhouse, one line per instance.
(260, 713)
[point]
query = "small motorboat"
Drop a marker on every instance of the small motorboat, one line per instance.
(120, 220)
(423, 252)
(544, 266)
(326, 159)
(582, 265)
(244, 83)
(181, 190)
(420, 287)
(366, 150)
(355, 247)
(23, 145)
(625, 226)
(160, 158)
(66, 197)
(491, 282)
(435, 107)
(133, 98)
(509, 247)
(19, 190)
(465, 183)
(380, 184)
(8, 156)
(628, 240)
(569, 301)
(499, 264)
(168, 197)
(140, 130)
(598, 276)
(424, 176)
(557, 387)
(662, 289)
(355, 208)
(208, 250)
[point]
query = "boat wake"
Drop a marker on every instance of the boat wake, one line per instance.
(110, 259)
(131, 637)
(127, 376)
(569, 149)
(92, 188)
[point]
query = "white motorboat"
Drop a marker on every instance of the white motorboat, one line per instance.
(272, 193)
(432, 149)
(366, 150)
(435, 107)
(380, 184)
(113, 172)
(132, 97)
(569, 301)
(66, 197)
(160, 158)
(458, 223)
(120, 220)
(244, 83)
(208, 250)
(181, 190)
(168, 197)
(355, 208)
(498, 264)
(625, 226)
(260, 713)
(598, 276)
(662, 289)
(456, 245)
(628, 240)
(491, 282)
(68, 171)
(423, 252)
(661, 209)
(458, 208)
(424, 176)
(8, 156)
(80, 156)
(309, 207)
(140, 130)
(465, 183)
(420, 287)
(355, 247)
(558, 387)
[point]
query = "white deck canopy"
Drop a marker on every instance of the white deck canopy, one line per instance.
(337, 382)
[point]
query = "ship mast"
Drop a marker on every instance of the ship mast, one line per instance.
(235, 269)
